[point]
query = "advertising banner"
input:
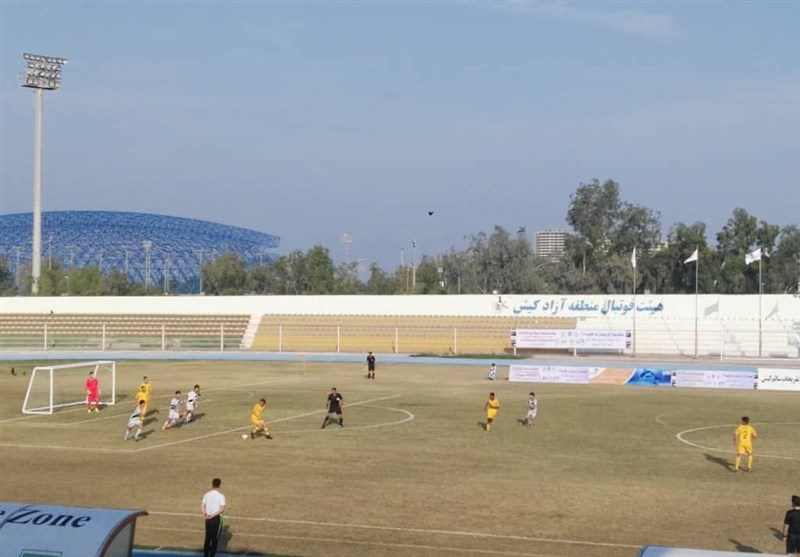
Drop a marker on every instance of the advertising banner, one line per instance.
(571, 338)
(552, 374)
(650, 377)
(778, 379)
(611, 376)
(714, 379)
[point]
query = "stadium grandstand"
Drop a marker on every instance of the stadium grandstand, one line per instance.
(139, 244)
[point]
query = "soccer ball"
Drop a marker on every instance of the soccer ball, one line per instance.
(244, 436)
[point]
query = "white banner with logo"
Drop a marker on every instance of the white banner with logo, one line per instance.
(552, 374)
(778, 379)
(714, 379)
(571, 338)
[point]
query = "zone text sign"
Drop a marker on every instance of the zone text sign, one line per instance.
(28, 530)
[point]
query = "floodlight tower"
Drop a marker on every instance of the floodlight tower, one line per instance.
(42, 73)
(148, 246)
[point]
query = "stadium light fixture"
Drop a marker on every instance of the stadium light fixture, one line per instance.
(42, 73)
(148, 246)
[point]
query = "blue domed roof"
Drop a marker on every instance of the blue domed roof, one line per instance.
(108, 238)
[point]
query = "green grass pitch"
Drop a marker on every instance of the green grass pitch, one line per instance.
(412, 472)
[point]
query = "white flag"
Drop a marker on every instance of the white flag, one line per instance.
(754, 255)
(692, 257)
(633, 258)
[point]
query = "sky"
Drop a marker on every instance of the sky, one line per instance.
(311, 119)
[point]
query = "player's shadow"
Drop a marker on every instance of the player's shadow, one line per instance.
(777, 533)
(482, 425)
(725, 463)
(225, 537)
(146, 434)
(197, 417)
(150, 420)
(741, 548)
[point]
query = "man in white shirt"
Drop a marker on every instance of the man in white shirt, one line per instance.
(213, 507)
(192, 400)
(492, 375)
(174, 411)
(135, 421)
(533, 408)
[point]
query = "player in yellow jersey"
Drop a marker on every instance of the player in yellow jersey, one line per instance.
(492, 406)
(743, 441)
(258, 422)
(144, 394)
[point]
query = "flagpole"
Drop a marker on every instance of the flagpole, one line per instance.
(634, 302)
(760, 289)
(696, 275)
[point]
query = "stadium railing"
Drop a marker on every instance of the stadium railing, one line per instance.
(105, 332)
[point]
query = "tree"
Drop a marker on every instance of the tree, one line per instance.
(119, 284)
(783, 275)
(606, 231)
(739, 236)
(379, 282)
(318, 273)
(52, 280)
(6, 277)
(86, 281)
(594, 210)
(346, 279)
(666, 271)
(224, 275)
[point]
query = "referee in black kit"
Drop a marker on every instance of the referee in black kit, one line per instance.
(370, 366)
(334, 408)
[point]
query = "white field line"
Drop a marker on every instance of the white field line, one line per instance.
(101, 450)
(95, 419)
(56, 447)
(408, 418)
(234, 430)
(339, 542)
(163, 397)
(461, 533)
(660, 417)
(680, 438)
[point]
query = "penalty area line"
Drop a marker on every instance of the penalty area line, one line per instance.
(410, 530)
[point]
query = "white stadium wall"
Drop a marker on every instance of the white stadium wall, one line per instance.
(665, 324)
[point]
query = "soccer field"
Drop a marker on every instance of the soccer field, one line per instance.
(601, 473)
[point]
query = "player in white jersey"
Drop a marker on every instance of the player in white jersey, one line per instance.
(135, 421)
(174, 414)
(533, 407)
(492, 373)
(192, 401)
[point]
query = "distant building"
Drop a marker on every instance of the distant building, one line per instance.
(549, 243)
(143, 246)
(659, 246)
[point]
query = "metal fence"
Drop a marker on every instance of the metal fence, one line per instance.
(714, 339)
(102, 337)
(719, 340)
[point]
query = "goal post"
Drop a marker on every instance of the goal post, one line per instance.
(59, 386)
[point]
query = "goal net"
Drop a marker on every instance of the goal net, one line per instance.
(58, 386)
